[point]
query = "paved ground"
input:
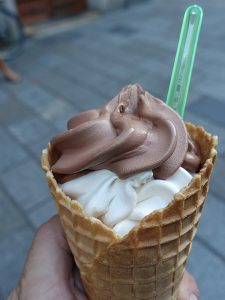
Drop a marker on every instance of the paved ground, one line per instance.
(82, 68)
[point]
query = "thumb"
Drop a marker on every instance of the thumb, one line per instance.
(49, 265)
(49, 254)
(188, 289)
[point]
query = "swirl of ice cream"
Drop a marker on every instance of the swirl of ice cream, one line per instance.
(192, 159)
(122, 204)
(133, 133)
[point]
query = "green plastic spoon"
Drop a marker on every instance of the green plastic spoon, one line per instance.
(184, 60)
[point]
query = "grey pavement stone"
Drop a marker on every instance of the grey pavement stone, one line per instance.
(114, 54)
(2, 79)
(27, 184)
(10, 217)
(42, 72)
(74, 51)
(22, 88)
(86, 98)
(80, 94)
(155, 67)
(65, 37)
(13, 251)
(36, 148)
(60, 122)
(35, 134)
(122, 29)
(118, 72)
(85, 57)
(31, 130)
(97, 82)
(212, 128)
(90, 63)
(208, 270)
(52, 60)
(210, 109)
(217, 185)
(64, 83)
(212, 58)
(212, 88)
(12, 111)
(56, 110)
(30, 55)
(49, 106)
(39, 215)
(83, 74)
(11, 152)
(122, 74)
(157, 85)
(194, 93)
(116, 35)
(3, 95)
(212, 219)
(34, 96)
(148, 49)
(108, 90)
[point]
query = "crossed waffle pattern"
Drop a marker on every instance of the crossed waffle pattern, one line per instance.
(149, 262)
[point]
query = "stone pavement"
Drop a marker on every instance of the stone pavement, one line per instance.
(82, 68)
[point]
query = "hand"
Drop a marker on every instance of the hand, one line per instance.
(50, 273)
(8, 73)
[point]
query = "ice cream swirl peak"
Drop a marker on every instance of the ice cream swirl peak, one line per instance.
(132, 133)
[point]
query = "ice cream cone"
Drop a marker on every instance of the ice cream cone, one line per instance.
(149, 262)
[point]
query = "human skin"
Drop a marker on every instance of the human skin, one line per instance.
(8, 73)
(50, 273)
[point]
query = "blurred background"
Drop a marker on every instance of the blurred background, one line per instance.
(74, 55)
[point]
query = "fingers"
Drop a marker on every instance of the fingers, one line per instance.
(79, 295)
(49, 254)
(77, 280)
(48, 266)
(188, 288)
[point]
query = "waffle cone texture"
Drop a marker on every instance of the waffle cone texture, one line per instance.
(149, 262)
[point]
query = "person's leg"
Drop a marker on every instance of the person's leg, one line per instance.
(8, 73)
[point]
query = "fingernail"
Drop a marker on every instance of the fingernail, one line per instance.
(193, 297)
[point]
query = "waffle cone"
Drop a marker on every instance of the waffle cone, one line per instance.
(149, 262)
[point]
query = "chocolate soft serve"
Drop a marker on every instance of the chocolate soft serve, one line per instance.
(132, 133)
